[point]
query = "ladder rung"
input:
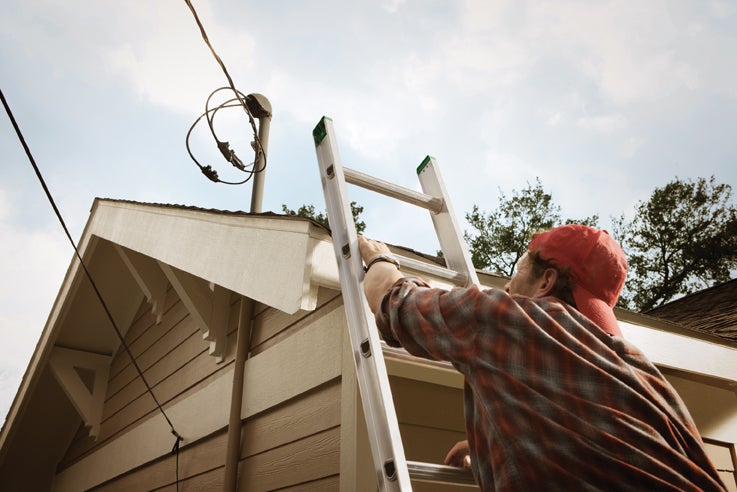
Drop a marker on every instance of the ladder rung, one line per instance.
(401, 354)
(417, 266)
(431, 472)
(372, 183)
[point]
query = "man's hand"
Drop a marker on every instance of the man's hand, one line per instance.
(370, 249)
(381, 276)
(459, 455)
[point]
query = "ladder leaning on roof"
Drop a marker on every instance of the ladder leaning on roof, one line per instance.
(393, 471)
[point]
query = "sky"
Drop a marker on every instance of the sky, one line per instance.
(603, 101)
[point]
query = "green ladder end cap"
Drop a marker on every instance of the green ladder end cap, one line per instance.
(319, 133)
(425, 162)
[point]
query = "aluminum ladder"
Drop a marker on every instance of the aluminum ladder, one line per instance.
(393, 471)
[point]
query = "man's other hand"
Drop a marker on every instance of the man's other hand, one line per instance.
(459, 455)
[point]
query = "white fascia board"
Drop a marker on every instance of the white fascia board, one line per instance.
(684, 353)
(259, 257)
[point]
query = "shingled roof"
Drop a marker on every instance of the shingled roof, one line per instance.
(713, 310)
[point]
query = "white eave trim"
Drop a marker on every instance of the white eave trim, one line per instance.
(699, 356)
(269, 259)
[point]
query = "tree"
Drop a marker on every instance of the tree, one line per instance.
(683, 239)
(322, 217)
(501, 236)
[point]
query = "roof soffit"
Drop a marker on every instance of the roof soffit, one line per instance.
(268, 259)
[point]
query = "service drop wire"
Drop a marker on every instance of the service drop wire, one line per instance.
(259, 148)
(211, 118)
(86, 271)
(207, 170)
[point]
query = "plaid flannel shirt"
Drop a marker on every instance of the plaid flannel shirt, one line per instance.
(551, 401)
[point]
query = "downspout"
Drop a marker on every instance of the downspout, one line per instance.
(245, 320)
(260, 108)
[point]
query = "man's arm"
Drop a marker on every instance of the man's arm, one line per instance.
(381, 276)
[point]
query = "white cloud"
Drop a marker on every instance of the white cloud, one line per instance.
(392, 6)
(555, 119)
(722, 9)
(34, 264)
(631, 146)
(169, 65)
(602, 123)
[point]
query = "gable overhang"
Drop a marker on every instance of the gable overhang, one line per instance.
(134, 251)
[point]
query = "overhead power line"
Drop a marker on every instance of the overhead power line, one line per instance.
(104, 305)
(246, 102)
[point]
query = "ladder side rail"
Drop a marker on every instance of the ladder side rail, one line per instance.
(392, 190)
(386, 444)
(449, 231)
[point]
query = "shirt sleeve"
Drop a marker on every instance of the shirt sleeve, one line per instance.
(438, 324)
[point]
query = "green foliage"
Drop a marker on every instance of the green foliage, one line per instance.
(683, 239)
(500, 237)
(322, 217)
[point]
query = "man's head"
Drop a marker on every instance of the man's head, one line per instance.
(578, 262)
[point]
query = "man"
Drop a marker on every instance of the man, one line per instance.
(555, 398)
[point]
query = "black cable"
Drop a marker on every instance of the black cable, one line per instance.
(211, 119)
(242, 99)
(208, 170)
(87, 272)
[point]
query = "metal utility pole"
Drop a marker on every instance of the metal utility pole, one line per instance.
(260, 108)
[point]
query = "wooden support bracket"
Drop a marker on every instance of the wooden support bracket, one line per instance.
(83, 376)
(149, 277)
(207, 303)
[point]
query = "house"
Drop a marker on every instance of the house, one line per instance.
(185, 286)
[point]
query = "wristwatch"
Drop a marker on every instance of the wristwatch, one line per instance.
(379, 258)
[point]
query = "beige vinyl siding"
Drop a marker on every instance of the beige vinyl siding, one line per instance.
(430, 418)
(724, 457)
(176, 363)
(431, 421)
(174, 346)
(292, 445)
(270, 326)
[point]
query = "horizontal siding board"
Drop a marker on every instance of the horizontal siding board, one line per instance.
(192, 372)
(197, 370)
(147, 357)
(428, 405)
(315, 411)
(159, 362)
(327, 484)
(270, 322)
(314, 353)
(201, 457)
(185, 351)
(147, 337)
(211, 480)
(139, 332)
(306, 460)
(314, 317)
(304, 361)
(303, 416)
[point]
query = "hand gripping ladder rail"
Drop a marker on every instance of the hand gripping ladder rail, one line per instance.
(393, 471)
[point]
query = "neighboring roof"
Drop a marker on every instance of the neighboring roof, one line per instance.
(713, 310)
